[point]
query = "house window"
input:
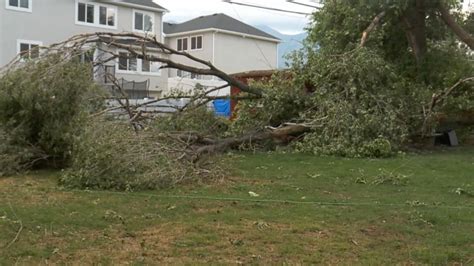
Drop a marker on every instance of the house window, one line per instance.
(87, 57)
(128, 63)
(19, 5)
(182, 44)
(98, 15)
(195, 76)
(106, 16)
(150, 67)
(85, 13)
(185, 74)
(143, 22)
(196, 43)
(29, 49)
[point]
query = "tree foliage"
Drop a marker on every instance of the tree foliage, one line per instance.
(337, 29)
(360, 106)
(367, 98)
(111, 155)
(42, 107)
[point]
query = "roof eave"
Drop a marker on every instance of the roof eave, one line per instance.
(177, 34)
(148, 8)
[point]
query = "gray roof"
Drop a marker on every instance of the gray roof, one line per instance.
(144, 3)
(216, 21)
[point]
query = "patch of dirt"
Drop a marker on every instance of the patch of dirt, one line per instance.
(115, 246)
(249, 242)
(244, 242)
(228, 182)
(6, 183)
(375, 235)
(29, 190)
(214, 210)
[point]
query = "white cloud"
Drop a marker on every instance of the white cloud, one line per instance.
(182, 10)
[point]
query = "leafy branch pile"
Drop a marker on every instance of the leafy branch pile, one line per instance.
(370, 94)
(48, 119)
(42, 107)
(372, 77)
(111, 155)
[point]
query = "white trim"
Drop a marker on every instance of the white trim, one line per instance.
(153, 19)
(162, 34)
(278, 58)
(21, 9)
(191, 43)
(20, 41)
(188, 44)
(244, 35)
(29, 42)
(139, 7)
(214, 48)
(96, 22)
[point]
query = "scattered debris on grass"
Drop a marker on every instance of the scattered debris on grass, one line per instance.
(253, 194)
(415, 203)
(384, 177)
(463, 191)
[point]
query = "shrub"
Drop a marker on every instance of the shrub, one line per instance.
(42, 106)
(12, 158)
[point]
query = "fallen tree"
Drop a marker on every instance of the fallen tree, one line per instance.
(362, 103)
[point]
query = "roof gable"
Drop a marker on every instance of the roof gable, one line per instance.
(215, 21)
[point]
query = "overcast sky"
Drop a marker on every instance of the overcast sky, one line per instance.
(182, 10)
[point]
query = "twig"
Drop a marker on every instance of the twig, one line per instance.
(19, 230)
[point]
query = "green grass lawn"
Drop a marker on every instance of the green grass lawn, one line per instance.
(410, 209)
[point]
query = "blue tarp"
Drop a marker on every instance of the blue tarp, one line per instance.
(222, 107)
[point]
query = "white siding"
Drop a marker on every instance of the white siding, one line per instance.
(53, 21)
(236, 54)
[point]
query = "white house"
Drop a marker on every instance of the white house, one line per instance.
(27, 24)
(226, 42)
(231, 45)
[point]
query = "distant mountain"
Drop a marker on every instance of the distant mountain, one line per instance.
(289, 43)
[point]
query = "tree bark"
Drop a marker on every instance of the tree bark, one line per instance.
(286, 131)
(458, 30)
(371, 27)
(414, 20)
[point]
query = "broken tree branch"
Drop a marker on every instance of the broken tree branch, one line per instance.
(112, 39)
(455, 27)
(285, 131)
(375, 22)
(436, 99)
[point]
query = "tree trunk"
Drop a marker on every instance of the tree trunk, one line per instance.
(458, 30)
(415, 29)
(285, 132)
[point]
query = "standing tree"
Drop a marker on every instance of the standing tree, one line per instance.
(426, 42)
(411, 34)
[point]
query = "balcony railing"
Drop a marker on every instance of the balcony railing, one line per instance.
(133, 89)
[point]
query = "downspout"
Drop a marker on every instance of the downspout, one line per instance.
(278, 57)
(213, 47)
(214, 50)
